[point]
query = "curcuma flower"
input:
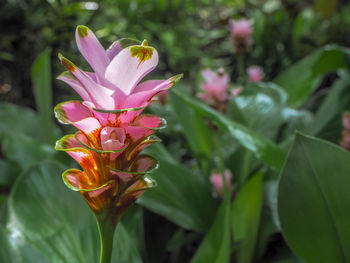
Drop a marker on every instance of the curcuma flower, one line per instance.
(255, 74)
(241, 34)
(112, 129)
(217, 182)
(215, 88)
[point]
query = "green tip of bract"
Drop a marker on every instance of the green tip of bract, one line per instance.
(144, 43)
(176, 78)
(83, 31)
(66, 63)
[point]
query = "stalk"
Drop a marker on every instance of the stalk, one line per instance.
(106, 230)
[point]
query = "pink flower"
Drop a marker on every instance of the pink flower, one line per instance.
(346, 120)
(345, 141)
(216, 180)
(255, 74)
(215, 87)
(112, 131)
(241, 31)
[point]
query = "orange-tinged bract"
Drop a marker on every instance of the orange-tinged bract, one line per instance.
(112, 129)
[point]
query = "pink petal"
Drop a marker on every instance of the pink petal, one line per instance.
(119, 45)
(208, 75)
(91, 49)
(130, 66)
(149, 121)
(71, 111)
(145, 91)
(72, 81)
(112, 138)
(88, 125)
(136, 133)
(100, 96)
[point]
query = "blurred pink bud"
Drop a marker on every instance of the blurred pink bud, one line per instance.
(215, 87)
(216, 180)
(241, 34)
(346, 120)
(255, 74)
(235, 92)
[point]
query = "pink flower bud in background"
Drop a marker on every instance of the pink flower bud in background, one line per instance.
(216, 180)
(346, 120)
(241, 34)
(215, 88)
(345, 141)
(236, 91)
(255, 74)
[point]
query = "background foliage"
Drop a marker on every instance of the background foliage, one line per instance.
(286, 187)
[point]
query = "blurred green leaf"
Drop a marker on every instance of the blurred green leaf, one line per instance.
(262, 107)
(13, 249)
(8, 173)
(41, 81)
(57, 222)
(302, 78)
(263, 148)
(24, 151)
(193, 127)
(313, 198)
(325, 7)
(215, 248)
(181, 196)
(246, 210)
(332, 106)
(16, 119)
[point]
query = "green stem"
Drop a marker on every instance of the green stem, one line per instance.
(106, 230)
(221, 165)
(241, 69)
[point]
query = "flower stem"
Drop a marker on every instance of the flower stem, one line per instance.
(106, 230)
(241, 71)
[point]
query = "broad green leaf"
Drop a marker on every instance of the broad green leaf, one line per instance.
(13, 249)
(333, 105)
(24, 151)
(9, 172)
(193, 126)
(246, 210)
(215, 248)
(56, 221)
(16, 119)
(41, 81)
(301, 79)
(181, 196)
(313, 197)
(262, 106)
(263, 148)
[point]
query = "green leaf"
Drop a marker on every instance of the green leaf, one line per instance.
(16, 119)
(41, 81)
(302, 78)
(246, 210)
(24, 151)
(57, 222)
(215, 247)
(193, 127)
(263, 148)
(313, 197)
(13, 249)
(332, 106)
(181, 196)
(262, 106)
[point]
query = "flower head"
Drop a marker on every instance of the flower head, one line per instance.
(215, 88)
(216, 180)
(255, 74)
(112, 131)
(345, 141)
(241, 31)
